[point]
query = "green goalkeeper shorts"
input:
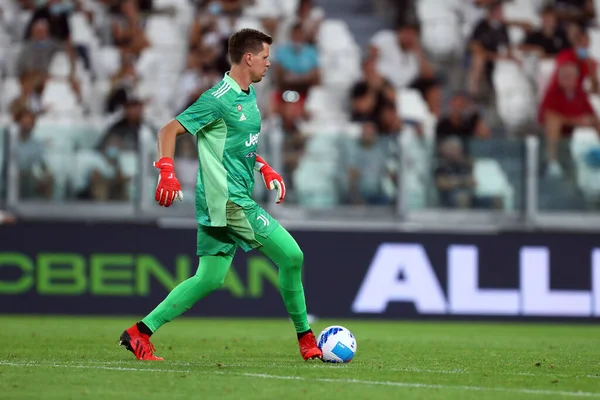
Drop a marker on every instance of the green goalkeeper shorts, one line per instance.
(243, 225)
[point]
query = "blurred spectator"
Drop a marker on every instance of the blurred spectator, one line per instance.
(294, 141)
(105, 180)
(401, 59)
(579, 11)
(35, 181)
(463, 120)
(564, 108)
(370, 93)
(310, 17)
(198, 76)
(123, 85)
(38, 51)
(579, 55)
(489, 43)
(550, 39)
(389, 123)
(128, 29)
(367, 168)
(296, 66)
(56, 14)
(30, 98)
(454, 178)
(127, 129)
(363, 103)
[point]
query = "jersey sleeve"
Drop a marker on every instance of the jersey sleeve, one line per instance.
(199, 115)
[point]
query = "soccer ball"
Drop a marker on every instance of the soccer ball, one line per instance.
(337, 344)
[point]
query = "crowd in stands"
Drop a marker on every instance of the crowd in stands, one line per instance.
(84, 84)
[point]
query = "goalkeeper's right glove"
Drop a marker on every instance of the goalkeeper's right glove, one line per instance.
(168, 188)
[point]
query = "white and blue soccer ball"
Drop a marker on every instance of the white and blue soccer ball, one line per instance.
(337, 344)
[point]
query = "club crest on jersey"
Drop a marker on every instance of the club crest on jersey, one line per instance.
(239, 107)
(252, 139)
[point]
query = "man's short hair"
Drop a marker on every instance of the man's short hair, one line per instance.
(246, 41)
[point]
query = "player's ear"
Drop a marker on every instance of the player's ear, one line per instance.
(248, 59)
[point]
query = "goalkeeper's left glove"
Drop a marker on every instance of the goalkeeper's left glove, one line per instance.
(272, 179)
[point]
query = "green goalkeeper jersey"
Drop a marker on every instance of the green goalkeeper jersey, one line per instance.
(226, 122)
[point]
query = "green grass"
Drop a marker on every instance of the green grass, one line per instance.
(69, 357)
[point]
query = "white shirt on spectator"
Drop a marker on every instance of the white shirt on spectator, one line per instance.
(399, 67)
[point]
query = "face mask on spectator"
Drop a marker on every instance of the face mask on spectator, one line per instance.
(41, 44)
(582, 52)
(112, 152)
(60, 8)
(214, 8)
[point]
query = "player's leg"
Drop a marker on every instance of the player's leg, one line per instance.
(216, 251)
(284, 251)
(209, 276)
(251, 227)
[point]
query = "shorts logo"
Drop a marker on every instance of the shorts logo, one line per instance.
(264, 220)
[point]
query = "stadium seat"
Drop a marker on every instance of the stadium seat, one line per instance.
(334, 34)
(325, 103)
(545, 70)
(411, 105)
(162, 31)
(60, 99)
(10, 55)
(440, 27)
(248, 22)
(594, 34)
(106, 61)
(10, 89)
(340, 69)
(514, 95)
(492, 181)
(588, 177)
(82, 32)
(60, 66)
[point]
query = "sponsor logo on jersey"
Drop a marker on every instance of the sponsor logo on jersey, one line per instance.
(252, 139)
(251, 154)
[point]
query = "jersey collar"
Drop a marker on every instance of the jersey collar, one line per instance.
(232, 83)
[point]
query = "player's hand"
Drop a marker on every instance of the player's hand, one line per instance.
(273, 181)
(168, 188)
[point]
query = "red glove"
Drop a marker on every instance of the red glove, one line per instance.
(272, 179)
(168, 188)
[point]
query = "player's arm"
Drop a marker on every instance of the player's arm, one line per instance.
(167, 136)
(168, 188)
(273, 181)
(193, 119)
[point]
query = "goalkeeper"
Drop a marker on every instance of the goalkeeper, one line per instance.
(226, 123)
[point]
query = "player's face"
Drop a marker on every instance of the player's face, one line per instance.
(260, 64)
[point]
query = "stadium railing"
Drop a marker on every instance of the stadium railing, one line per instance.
(511, 170)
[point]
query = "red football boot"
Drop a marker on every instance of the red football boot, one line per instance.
(139, 344)
(309, 348)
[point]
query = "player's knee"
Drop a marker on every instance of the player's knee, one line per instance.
(296, 259)
(210, 284)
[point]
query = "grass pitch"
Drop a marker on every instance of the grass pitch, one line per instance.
(77, 358)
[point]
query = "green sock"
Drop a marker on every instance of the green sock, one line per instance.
(210, 275)
(283, 250)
